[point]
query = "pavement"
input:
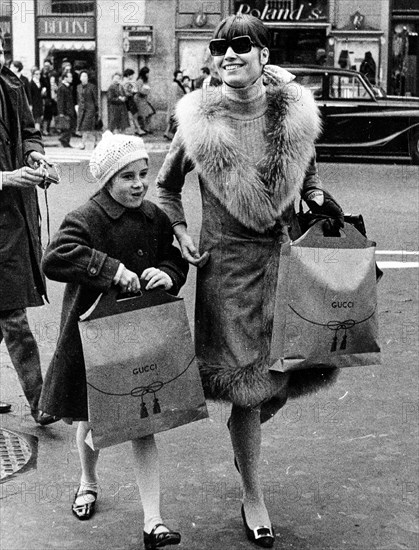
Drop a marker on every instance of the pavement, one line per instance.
(339, 468)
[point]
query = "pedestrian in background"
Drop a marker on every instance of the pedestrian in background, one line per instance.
(66, 113)
(176, 92)
(17, 68)
(46, 83)
(187, 84)
(118, 120)
(22, 283)
(37, 94)
(145, 109)
(368, 68)
(50, 104)
(206, 79)
(130, 89)
(106, 234)
(242, 139)
(87, 109)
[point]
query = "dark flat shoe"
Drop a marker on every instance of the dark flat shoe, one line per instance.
(5, 407)
(261, 536)
(153, 540)
(84, 511)
(43, 419)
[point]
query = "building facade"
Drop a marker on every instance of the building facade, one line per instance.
(108, 36)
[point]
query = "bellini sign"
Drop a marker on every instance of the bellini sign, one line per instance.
(284, 11)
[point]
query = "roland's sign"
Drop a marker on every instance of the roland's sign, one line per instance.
(284, 11)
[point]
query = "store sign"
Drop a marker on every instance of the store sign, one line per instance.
(288, 11)
(65, 27)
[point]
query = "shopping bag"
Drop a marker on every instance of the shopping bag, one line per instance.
(141, 373)
(326, 302)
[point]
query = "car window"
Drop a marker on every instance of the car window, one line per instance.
(313, 82)
(347, 87)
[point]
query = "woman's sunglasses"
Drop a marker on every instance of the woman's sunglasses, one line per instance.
(240, 44)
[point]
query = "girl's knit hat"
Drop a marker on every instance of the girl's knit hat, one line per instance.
(113, 153)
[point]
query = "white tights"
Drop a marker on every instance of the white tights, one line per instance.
(146, 469)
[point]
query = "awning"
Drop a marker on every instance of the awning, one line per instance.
(46, 46)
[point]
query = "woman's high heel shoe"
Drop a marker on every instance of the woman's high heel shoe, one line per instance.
(155, 540)
(261, 536)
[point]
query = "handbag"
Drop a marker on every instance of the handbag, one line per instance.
(326, 302)
(141, 373)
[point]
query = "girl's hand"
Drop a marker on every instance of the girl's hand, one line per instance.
(155, 278)
(129, 281)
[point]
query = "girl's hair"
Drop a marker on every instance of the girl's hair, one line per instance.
(242, 24)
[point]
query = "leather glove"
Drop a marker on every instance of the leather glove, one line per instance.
(324, 205)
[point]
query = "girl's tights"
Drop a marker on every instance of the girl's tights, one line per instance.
(146, 468)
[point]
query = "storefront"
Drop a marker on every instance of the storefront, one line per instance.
(299, 28)
(404, 48)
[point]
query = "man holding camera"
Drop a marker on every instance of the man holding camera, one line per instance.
(21, 281)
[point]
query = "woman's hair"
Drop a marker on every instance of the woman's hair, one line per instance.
(175, 73)
(240, 25)
(128, 72)
(85, 72)
(143, 74)
(34, 70)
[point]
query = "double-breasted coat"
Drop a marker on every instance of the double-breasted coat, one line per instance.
(117, 108)
(85, 253)
(22, 284)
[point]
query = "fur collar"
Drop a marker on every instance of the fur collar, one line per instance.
(254, 196)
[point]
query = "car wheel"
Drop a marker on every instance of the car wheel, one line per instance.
(414, 147)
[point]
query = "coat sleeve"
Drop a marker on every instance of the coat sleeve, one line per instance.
(312, 178)
(169, 257)
(31, 138)
(171, 179)
(113, 95)
(70, 257)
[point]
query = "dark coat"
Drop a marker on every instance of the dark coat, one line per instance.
(22, 283)
(27, 86)
(117, 109)
(87, 102)
(37, 100)
(65, 103)
(85, 254)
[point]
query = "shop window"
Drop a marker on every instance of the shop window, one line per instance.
(66, 6)
(347, 87)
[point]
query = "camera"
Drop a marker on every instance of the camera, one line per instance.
(51, 177)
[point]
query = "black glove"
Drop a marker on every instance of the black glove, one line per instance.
(328, 208)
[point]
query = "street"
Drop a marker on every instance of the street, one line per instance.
(339, 468)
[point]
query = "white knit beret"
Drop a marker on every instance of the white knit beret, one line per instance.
(114, 152)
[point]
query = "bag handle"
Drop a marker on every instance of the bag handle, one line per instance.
(349, 238)
(114, 302)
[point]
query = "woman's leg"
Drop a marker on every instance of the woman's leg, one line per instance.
(146, 467)
(88, 460)
(245, 432)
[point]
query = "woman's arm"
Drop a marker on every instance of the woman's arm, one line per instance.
(170, 182)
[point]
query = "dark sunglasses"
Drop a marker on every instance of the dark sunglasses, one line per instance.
(240, 44)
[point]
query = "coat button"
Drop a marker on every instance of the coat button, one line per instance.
(140, 252)
(93, 271)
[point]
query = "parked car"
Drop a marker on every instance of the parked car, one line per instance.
(359, 121)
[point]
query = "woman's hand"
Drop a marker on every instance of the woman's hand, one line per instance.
(129, 281)
(272, 74)
(189, 251)
(156, 277)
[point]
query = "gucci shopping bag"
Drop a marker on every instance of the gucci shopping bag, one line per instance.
(141, 373)
(326, 302)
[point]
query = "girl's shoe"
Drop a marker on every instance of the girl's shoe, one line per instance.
(153, 540)
(84, 511)
(262, 536)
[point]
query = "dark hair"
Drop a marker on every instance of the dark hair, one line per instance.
(18, 65)
(242, 24)
(205, 70)
(175, 73)
(84, 71)
(143, 74)
(127, 72)
(185, 76)
(66, 73)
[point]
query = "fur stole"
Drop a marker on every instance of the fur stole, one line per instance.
(256, 197)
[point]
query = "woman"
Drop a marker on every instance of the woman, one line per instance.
(37, 94)
(253, 148)
(87, 110)
(176, 92)
(187, 84)
(145, 109)
(118, 120)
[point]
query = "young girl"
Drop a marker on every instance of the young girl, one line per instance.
(115, 238)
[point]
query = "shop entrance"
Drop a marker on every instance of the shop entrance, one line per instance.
(78, 59)
(297, 46)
